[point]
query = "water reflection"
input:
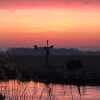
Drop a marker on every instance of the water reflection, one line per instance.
(14, 90)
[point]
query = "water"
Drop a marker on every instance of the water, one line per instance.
(14, 90)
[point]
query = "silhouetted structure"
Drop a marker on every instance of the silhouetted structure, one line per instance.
(74, 67)
(47, 52)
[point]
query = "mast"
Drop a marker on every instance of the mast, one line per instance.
(47, 52)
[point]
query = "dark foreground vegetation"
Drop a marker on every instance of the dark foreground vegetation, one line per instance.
(71, 69)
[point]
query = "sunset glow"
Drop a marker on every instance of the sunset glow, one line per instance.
(65, 24)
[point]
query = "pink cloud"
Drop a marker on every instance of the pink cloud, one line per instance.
(43, 3)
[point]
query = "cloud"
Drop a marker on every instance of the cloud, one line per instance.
(31, 3)
(19, 1)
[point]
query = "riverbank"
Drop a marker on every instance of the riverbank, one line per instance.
(26, 68)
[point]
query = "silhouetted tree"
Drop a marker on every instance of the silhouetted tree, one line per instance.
(35, 47)
(74, 67)
(2, 97)
(7, 66)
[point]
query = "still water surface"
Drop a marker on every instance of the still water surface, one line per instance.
(14, 90)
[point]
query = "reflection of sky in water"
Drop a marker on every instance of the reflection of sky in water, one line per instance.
(36, 91)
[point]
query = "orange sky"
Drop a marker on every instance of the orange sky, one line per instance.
(65, 24)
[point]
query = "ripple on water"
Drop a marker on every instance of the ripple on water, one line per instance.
(36, 90)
